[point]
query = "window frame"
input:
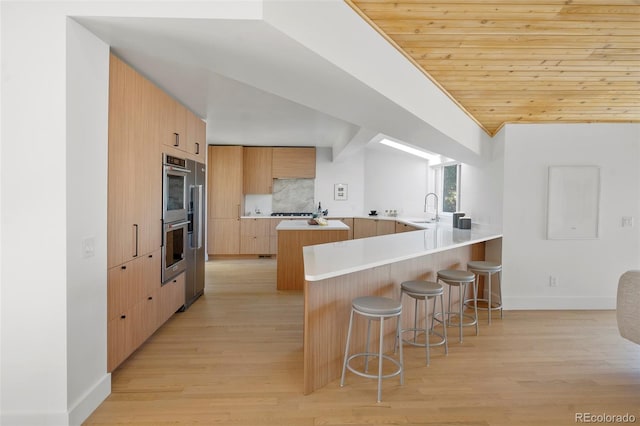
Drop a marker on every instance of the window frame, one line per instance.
(438, 187)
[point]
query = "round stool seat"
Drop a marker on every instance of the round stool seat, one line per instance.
(456, 276)
(426, 288)
(375, 305)
(485, 266)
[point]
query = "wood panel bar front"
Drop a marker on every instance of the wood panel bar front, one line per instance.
(327, 305)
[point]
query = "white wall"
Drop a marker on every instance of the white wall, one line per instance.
(587, 271)
(87, 137)
(34, 276)
(377, 179)
(53, 301)
(395, 181)
(350, 171)
(481, 196)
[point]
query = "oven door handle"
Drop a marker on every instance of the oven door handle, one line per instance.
(177, 225)
(172, 168)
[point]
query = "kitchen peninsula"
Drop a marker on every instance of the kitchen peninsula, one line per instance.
(293, 235)
(336, 273)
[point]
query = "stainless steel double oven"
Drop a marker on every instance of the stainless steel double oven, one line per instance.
(175, 217)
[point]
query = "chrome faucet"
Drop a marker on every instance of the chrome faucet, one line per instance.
(425, 204)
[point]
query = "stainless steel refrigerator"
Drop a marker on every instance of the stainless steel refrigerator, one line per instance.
(195, 252)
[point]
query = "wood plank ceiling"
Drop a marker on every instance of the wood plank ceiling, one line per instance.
(510, 61)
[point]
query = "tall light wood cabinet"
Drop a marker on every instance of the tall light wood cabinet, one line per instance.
(258, 178)
(140, 115)
(225, 205)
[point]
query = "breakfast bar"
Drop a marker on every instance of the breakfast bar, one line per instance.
(336, 273)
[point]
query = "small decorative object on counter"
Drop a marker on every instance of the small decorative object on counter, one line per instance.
(464, 223)
(456, 219)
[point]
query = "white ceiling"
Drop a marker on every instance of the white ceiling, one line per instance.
(256, 85)
(200, 62)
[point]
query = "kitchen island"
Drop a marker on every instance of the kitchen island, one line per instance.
(293, 235)
(336, 273)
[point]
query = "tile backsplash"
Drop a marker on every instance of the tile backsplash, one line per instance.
(293, 195)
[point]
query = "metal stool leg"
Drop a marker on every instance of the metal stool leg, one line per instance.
(500, 291)
(475, 304)
(489, 301)
(426, 326)
(366, 357)
(446, 343)
(461, 310)
(346, 349)
(379, 358)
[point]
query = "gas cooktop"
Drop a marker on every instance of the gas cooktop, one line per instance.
(292, 214)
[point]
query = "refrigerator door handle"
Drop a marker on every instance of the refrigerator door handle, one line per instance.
(196, 196)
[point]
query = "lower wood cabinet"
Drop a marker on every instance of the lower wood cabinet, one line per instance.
(137, 304)
(363, 228)
(347, 221)
(404, 227)
(255, 236)
(171, 298)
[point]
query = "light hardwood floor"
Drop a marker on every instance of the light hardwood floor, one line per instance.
(235, 358)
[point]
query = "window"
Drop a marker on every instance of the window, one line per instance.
(447, 178)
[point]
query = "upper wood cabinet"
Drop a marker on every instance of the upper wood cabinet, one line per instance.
(183, 133)
(196, 141)
(258, 178)
(290, 163)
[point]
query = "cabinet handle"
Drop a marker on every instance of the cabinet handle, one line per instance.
(238, 211)
(137, 227)
(177, 139)
(150, 255)
(123, 316)
(197, 147)
(175, 281)
(150, 298)
(123, 267)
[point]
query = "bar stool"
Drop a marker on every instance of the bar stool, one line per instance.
(424, 290)
(482, 267)
(460, 279)
(374, 308)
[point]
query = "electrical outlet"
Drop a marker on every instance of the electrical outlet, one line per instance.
(627, 221)
(553, 281)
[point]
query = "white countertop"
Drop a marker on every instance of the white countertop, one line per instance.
(334, 259)
(303, 225)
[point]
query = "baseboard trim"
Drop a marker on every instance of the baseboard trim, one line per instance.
(559, 303)
(88, 403)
